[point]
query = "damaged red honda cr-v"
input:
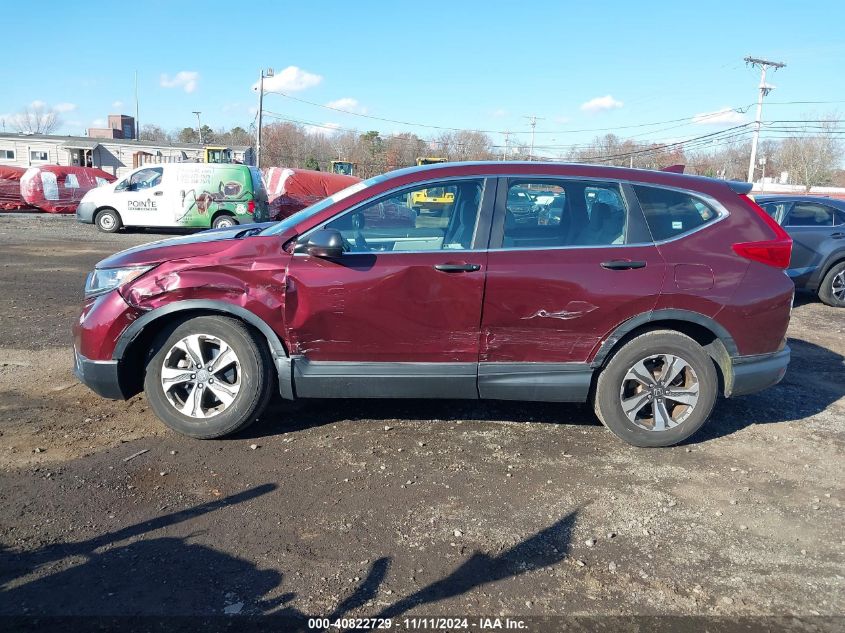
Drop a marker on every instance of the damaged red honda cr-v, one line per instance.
(647, 293)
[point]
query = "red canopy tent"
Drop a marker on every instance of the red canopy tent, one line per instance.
(290, 190)
(10, 189)
(57, 189)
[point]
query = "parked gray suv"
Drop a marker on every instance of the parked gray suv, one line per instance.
(817, 228)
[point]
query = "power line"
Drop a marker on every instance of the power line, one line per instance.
(693, 118)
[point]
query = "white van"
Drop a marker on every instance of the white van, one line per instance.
(182, 195)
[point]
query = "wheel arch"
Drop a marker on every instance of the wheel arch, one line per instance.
(712, 336)
(834, 258)
(220, 212)
(133, 347)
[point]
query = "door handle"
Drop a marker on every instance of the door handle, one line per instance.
(622, 264)
(158, 193)
(457, 268)
(838, 236)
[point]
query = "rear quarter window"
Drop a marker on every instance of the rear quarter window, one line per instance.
(670, 213)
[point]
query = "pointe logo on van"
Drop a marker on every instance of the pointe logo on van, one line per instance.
(149, 203)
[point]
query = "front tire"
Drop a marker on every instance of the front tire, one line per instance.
(108, 221)
(832, 288)
(657, 390)
(209, 377)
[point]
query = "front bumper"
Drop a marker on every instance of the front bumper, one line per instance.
(755, 373)
(101, 376)
(85, 212)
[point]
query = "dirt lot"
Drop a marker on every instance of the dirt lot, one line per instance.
(401, 508)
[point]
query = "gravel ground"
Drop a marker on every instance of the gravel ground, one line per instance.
(401, 508)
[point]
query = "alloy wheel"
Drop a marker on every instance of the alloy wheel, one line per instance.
(201, 376)
(837, 286)
(659, 392)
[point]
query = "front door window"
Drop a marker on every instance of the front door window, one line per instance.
(437, 217)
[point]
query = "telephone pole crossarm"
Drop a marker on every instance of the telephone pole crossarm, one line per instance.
(765, 89)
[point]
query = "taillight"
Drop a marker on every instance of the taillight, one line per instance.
(776, 252)
(250, 206)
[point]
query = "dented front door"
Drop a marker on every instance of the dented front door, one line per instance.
(386, 307)
(407, 293)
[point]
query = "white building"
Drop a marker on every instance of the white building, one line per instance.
(113, 155)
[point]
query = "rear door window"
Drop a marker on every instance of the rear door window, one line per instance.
(810, 214)
(547, 213)
(670, 213)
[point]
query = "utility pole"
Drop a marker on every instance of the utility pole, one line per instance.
(532, 121)
(507, 134)
(137, 118)
(261, 78)
(763, 65)
(199, 125)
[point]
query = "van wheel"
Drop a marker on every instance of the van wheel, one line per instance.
(832, 288)
(657, 390)
(224, 221)
(209, 377)
(108, 221)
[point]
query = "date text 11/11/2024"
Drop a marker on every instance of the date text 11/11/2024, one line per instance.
(419, 624)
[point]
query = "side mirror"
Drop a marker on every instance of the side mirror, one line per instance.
(326, 243)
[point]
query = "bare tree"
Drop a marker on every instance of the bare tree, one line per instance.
(35, 119)
(813, 157)
(154, 133)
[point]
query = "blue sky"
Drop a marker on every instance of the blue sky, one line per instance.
(480, 65)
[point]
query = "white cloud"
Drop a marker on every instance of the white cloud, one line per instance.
(64, 107)
(719, 117)
(347, 103)
(185, 79)
(117, 105)
(98, 123)
(601, 104)
(291, 79)
(37, 105)
(499, 113)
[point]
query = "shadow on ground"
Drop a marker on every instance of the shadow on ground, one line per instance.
(162, 577)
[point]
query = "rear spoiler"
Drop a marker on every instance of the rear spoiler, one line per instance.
(739, 186)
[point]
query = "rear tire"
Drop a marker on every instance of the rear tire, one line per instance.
(832, 288)
(635, 399)
(108, 221)
(224, 221)
(206, 394)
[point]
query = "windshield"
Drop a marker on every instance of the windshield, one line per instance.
(315, 208)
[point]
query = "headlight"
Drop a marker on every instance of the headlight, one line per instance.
(102, 280)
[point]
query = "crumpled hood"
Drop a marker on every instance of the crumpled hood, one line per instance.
(203, 243)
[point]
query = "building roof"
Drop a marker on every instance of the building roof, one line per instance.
(77, 141)
(81, 144)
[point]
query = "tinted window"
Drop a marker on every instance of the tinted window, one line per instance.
(670, 213)
(549, 213)
(437, 217)
(810, 214)
(838, 217)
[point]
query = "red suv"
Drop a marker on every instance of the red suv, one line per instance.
(646, 293)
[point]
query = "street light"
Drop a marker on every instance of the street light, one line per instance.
(263, 75)
(199, 125)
